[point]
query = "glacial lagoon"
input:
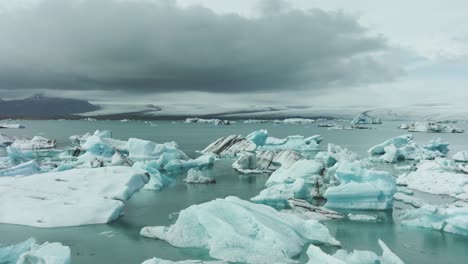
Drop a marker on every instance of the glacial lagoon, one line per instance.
(120, 242)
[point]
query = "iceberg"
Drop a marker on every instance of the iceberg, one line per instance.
(361, 188)
(157, 180)
(440, 176)
(316, 255)
(433, 127)
(235, 230)
(230, 146)
(362, 218)
(5, 140)
(207, 121)
(365, 119)
(404, 148)
(28, 252)
(408, 199)
(24, 169)
(302, 180)
(4, 125)
(265, 161)
(140, 149)
(198, 176)
(162, 261)
(10, 254)
(69, 198)
(295, 121)
(297, 143)
(461, 156)
(80, 139)
(202, 162)
(452, 218)
(404, 126)
(36, 142)
(47, 253)
(258, 137)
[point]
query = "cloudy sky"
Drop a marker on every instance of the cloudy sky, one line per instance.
(268, 52)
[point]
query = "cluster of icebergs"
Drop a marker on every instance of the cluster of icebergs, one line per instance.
(90, 182)
(215, 121)
(430, 127)
(87, 183)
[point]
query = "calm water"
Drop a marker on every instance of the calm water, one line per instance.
(119, 242)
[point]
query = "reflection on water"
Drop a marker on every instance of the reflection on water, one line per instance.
(120, 242)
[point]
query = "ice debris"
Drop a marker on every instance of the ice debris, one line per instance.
(433, 127)
(235, 230)
(69, 198)
(461, 156)
(28, 252)
(365, 119)
(34, 143)
(199, 176)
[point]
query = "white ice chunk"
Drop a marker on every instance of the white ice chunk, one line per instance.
(198, 176)
(11, 125)
(448, 218)
(69, 198)
(461, 156)
(201, 162)
(433, 127)
(235, 230)
(47, 253)
(140, 149)
(23, 169)
(36, 142)
(439, 176)
(361, 188)
(408, 199)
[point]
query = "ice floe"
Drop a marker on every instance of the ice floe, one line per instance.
(199, 176)
(365, 119)
(316, 255)
(11, 125)
(69, 198)
(361, 188)
(451, 218)
(461, 156)
(362, 218)
(440, 176)
(36, 142)
(207, 121)
(202, 162)
(404, 148)
(433, 127)
(305, 209)
(28, 252)
(295, 121)
(235, 230)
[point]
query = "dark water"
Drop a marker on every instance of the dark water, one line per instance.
(121, 243)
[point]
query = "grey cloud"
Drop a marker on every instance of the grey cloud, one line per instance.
(156, 46)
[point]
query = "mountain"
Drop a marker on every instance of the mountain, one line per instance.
(39, 106)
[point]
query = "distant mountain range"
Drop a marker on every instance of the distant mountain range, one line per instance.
(39, 106)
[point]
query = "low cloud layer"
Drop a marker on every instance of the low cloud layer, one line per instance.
(152, 47)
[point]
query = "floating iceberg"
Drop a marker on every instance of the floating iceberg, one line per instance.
(316, 255)
(157, 180)
(448, 218)
(335, 154)
(461, 156)
(69, 198)
(234, 230)
(404, 126)
(295, 121)
(230, 146)
(198, 176)
(255, 121)
(361, 188)
(432, 127)
(404, 148)
(28, 252)
(258, 137)
(362, 218)
(297, 143)
(201, 162)
(47, 253)
(365, 119)
(162, 261)
(301, 181)
(24, 169)
(265, 161)
(140, 149)
(6, 140)
(80, 139)
(207, 121)
(11, 126)
(440, 176)
(36, 142)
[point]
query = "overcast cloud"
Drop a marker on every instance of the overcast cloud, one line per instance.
(157, 46)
